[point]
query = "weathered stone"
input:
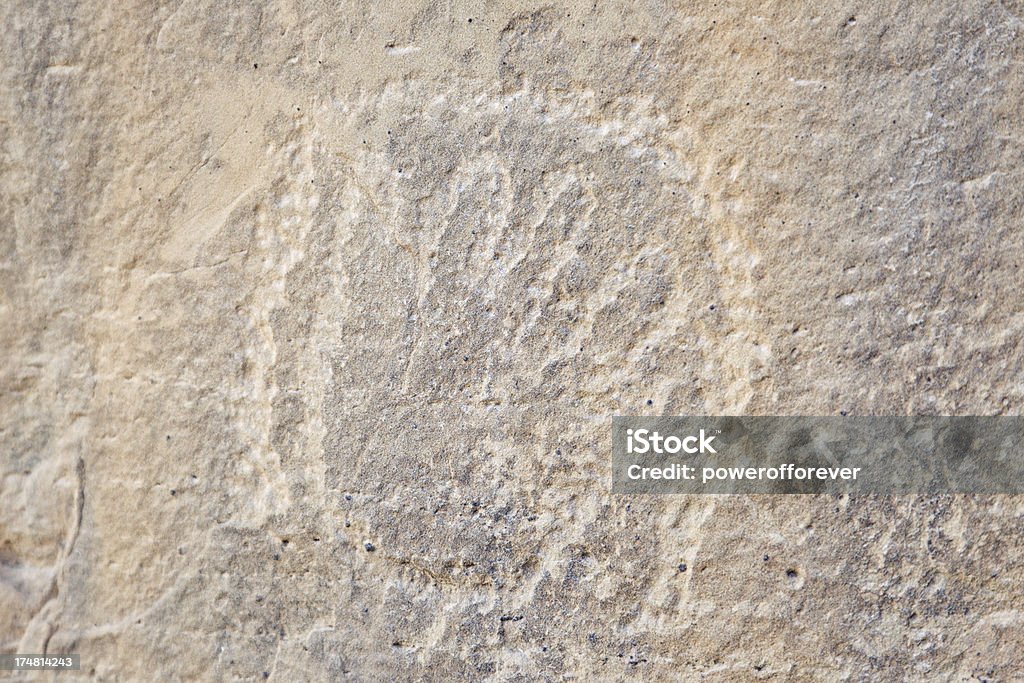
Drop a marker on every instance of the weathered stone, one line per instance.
(284, 284)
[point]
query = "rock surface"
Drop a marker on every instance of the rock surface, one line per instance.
(314, 316)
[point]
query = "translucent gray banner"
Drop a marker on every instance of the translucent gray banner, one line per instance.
(889, 455)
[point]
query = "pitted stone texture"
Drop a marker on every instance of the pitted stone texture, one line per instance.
(314, 316)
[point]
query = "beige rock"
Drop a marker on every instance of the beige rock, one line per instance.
(314, 317)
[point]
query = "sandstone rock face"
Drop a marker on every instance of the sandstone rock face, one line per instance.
(314, 317)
